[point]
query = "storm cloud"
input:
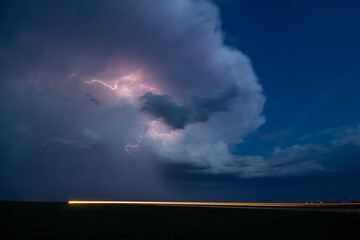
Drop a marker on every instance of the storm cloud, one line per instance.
(60, 129)
(121, 99)
(197, 108)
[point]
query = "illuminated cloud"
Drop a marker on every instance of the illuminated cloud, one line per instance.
(99, 81)
(106, 99)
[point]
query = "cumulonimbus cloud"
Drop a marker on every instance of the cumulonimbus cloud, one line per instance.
(169, 54)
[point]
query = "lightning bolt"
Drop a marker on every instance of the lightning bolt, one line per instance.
(128, 147)
(97, 81)
(132, 86)
(142, 86)
(103, 83)
(155, 90)
(153, 133)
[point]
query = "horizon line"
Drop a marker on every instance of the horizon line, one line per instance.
(225, 204)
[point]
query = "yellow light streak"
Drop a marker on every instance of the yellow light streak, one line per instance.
(222, 204)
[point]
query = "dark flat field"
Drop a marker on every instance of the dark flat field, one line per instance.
(24, 220)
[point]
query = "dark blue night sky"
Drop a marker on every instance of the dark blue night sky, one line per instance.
(306, 55)
(179, 100)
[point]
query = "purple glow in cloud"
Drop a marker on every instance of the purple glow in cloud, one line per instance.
(78, 74)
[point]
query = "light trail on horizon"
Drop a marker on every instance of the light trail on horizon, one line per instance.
(221, 204)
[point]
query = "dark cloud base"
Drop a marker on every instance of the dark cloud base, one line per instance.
(197, 108)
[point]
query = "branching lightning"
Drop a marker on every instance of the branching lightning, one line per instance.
(130, 87)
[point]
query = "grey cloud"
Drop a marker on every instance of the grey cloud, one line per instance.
(321, 133)
(87, 139)
(203, 106)
(292, 161)
(162, 106)
(296, 154)
(95, 101)
(178, 46)
(338, 157)
(197, 108)
(347, 136)
(92, 99)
